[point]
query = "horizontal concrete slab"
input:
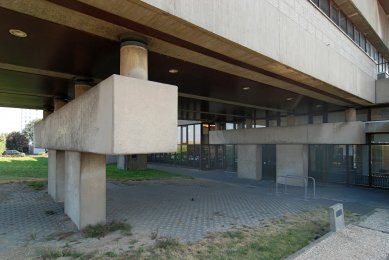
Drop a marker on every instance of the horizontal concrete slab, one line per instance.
(377, 127)
(121, 115)
(329, 133)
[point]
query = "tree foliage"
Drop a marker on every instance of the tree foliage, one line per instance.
(16, 141)
(28, 130)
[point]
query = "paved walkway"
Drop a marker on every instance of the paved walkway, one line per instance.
(184, 209)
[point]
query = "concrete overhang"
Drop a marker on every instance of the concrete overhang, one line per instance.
(175, 37)
(121, 115)
(329, 133)
(377, 127)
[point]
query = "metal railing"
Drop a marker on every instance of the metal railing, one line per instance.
(306, 183)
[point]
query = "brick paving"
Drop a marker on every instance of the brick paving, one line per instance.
(184, 209)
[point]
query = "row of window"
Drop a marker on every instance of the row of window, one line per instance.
(339, 18)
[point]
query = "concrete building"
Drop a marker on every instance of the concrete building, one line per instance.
(27, 115)
(271, 88)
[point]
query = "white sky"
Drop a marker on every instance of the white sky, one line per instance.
(10, 119)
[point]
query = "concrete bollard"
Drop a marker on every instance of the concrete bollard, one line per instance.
(336, 215)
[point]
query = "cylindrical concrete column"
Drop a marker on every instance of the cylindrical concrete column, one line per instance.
(80, 87)
(133, 63)
(133, 59)
(350, 115)
(58, 103)
(249, 123)
(46, 113)
(291, 120)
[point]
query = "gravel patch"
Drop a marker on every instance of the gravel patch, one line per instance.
(379, 220)
(353, 242)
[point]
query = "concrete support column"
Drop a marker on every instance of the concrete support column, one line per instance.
(350, 115)
(133, 63)
(56, 167)
(85, 201)
(250, 161)
(292, 159)
(291, 120)
(249, 123)
(46, 113)
(85, 182)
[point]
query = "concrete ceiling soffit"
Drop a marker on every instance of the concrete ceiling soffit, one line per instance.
(109, 21)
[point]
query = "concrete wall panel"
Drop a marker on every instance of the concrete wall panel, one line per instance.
(329, 133)
(121, 115)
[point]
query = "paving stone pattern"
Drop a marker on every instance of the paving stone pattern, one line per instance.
(184, 209)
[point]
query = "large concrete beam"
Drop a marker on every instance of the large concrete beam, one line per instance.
(121, 115)
(329, 133)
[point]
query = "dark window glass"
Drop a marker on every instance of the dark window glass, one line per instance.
(350, 29)
(334, 14)
(316, 2)
(325, 6)
(342, 21)
(368, 48)
(362, 42)
(356, 36)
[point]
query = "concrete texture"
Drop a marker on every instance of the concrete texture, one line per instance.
(116, 117)
(292, 160)
(377, 127)
(336, 216)
(56, 175)
(381, 90)
(329, 133)
(250, 162)
(376, 17)
(85, 201)
(350, 115)
(298, 36)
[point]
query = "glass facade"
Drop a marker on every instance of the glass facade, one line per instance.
(366, 165)
(194, 150)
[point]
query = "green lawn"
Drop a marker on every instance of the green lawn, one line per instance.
(35, 168)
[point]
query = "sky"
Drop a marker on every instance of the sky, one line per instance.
(10, 119)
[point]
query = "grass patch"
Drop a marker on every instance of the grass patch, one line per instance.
(113, 173)
(22, 168)
(167, 243)
(37, 185)
(99, 230)
(54, 253)
(274, 239)
(34, 168)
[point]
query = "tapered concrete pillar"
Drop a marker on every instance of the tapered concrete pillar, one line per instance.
(350, 115)
(133, 63)
(250, 162)
(56, 167)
